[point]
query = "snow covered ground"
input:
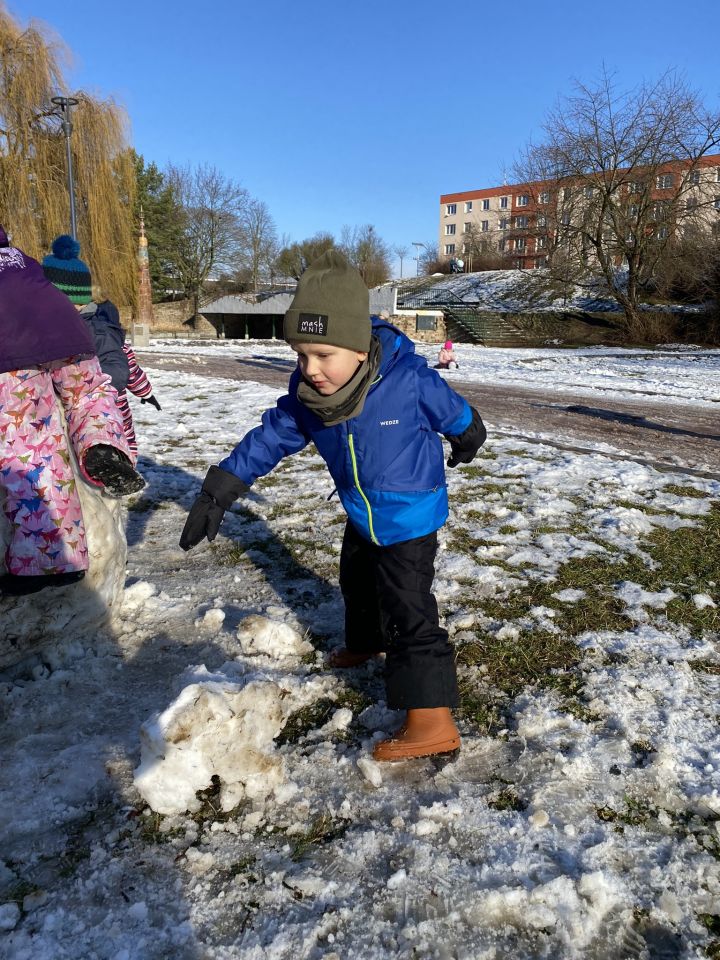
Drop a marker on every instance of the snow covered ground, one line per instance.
(582, 816)
(661, 375)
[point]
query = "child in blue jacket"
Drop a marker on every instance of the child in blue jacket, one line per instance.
(373, 409)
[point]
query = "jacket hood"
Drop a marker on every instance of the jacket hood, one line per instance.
(393, 342)
(105, 312)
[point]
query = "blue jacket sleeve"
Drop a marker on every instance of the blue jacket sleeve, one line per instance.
(446, 411)
(109, 337)
(278, 436)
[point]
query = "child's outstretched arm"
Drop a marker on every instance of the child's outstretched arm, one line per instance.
(258, 452)
(451, 415)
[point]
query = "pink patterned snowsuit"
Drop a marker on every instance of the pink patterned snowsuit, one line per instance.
(36, 473)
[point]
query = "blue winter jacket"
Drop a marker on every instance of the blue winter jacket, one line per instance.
(387, 463)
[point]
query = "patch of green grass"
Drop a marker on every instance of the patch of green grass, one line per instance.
(507, 799)
(686, 559)
(317, 714)
(323, 829)
(684, 491)
(512, 663)
(642, 507)
(17, 891)
(705, 666)
(636, 813)
(142, 505)
(710, 921)
(150, 832)
(479, 708)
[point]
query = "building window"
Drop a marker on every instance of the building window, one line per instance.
(523, 200)
(664, 181)
(501, 246)
(483, 246)
(520, 243)
(486, 204)
(694, 177)
(449, 229)
(449, 248)
(662, 233)
(468, 206)
(484, 225)
(691, 203)
(518, 264)
(633, 209)
(565, 219)
(503, 224)
(542, 220)
(716, 203)
(541, 243)
(450, 209)
(634, 187)
(425, 322)
(544, 197)
(589, 191)
(466, 228)
(567, 193)
(504, 202)
(521, 222)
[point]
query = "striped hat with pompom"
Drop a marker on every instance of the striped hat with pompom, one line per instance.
(64, 268)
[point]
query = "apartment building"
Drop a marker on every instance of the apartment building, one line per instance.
(525, 223)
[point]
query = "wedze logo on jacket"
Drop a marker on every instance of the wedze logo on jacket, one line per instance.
(391, 483)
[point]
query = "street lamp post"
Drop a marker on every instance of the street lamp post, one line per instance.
(65, 104)
(417, 258)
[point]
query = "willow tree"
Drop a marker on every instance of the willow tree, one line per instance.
(34, 197)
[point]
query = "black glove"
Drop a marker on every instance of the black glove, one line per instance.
(466, 445)
(220, 490)
(111, 467)
(151, 399)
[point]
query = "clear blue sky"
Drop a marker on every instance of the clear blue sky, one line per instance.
(336, 112)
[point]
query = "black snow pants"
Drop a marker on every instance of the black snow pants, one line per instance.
(389, 606)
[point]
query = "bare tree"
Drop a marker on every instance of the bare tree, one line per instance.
(479, 252)
(368, 252)
(617, 178)
(259, 240)
(401, 252)
(294, 258)
(211, 237)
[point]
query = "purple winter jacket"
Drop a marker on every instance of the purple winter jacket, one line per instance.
(38, 324)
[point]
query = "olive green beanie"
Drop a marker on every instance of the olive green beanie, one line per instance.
(331, 305)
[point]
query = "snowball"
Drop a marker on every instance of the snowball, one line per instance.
(137, 594)
(138, 911)
(539, 819)
(212, 620)
(214, 727)
(258, 635)
(9, 916)
(569, 596)
(370, 770)
(35, 900)
(397, 879)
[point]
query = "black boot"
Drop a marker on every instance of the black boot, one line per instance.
(112, 468)
(12, 585)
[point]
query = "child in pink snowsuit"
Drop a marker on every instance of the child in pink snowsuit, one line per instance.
(46, 352)
(446, 357)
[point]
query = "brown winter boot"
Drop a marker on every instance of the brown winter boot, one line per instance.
(425, 733)
(345, 659)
